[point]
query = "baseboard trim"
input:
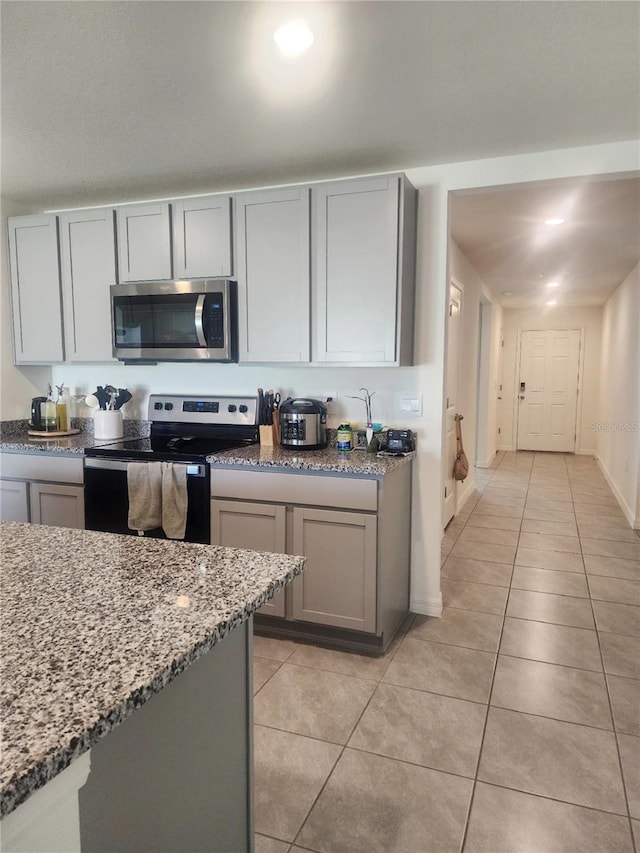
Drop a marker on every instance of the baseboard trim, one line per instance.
(463, 495)
(506, 448)
(426, 606)
(624, 506)
(585, 453)
(485, 464)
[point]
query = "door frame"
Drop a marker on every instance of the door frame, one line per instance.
(516, 382)
(452, 281)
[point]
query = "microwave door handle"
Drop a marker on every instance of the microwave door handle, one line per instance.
(198, 320)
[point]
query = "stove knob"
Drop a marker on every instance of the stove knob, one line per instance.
(168, 406)
(244, 409)
(157, 406)
(231, 407)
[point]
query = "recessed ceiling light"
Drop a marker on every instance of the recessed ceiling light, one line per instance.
(557, 220)
(551, 302)
(553, 284)
(507, 292)
(293, 38)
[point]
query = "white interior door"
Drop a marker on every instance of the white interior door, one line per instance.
(547, 391)
(452, 386)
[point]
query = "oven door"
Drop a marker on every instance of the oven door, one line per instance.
(106, 499)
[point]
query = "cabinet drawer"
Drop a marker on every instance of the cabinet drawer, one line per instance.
(37, 466)
(307, 489)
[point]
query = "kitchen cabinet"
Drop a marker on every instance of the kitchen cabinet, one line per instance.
(144, 242)
(363, 250)
(88, 265)
(258, 527)
(35, 289)
(273, 268)
(42, 489)
(202, 237)
(355, 534)
(14, 501)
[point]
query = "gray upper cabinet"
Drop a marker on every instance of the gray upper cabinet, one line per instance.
(363, 270)
(273, 269)
(35, 289)
(202, 237)
(88, 264)
(144, 242)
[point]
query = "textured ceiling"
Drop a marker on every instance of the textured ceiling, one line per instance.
(105, 101)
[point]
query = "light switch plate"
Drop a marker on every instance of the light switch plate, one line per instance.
(410, 405)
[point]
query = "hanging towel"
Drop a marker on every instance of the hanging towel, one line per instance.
(144, 483)
(174, 500)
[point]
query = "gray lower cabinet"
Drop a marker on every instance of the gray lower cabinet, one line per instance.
(259, 527)
(14, 501)
(338, 586)
(58, 505)
(42, 489)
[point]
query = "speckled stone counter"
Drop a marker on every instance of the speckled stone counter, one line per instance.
(330, 460)
(14, 437)
(94, 624)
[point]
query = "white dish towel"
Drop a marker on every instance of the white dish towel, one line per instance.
(157, 497)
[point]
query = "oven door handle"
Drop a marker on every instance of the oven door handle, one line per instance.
(193, 470)
(198, 320)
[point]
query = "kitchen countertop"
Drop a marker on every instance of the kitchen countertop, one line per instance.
(14, 438)
(329, 460)
(93, 624)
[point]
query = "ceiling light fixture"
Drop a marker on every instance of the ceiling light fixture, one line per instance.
(293, 38)
(507, 292)
(557, 220)
(551, 302)
(553, 284)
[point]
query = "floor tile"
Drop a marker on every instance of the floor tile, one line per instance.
(345, 663)
(503, 500)
(586, 519)
(498, 522)
(554, 560)
(621, 655)
(544, 580)
(422, 728)
(490, 535)
(487, 507)
(635, 826)
(404, 803)
(559, 644)
(614, 589)
(504, 821)
(601, 510)
(473, 596)
(541, 513)
(477, 571)
(617, 618)
(289, 772)
(267, 647)
(312, 702)
(439, 668)
(612, 567)
(549, 542)
(564, 761)
(550, 506)
(459, 628)
(263, 669)
(264, 844)
(630, 757)
(545, 607)
(606, 548)
(625, 702)
(483, 551)
(557, 528)
(573, 695)
(617, 534)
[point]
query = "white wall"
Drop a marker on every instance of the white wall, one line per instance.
(434, 184)
(556, 317)
(617, 426)
(17, 384)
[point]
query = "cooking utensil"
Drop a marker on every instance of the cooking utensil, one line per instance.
(92, 401)
(123, 397)
(103, 397)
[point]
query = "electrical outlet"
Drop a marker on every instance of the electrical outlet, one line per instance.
(330, 396)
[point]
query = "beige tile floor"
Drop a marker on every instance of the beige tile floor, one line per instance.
(510, 724)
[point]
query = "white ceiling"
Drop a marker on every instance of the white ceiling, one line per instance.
(113, 101)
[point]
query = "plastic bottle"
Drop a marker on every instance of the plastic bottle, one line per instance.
(62, 408)
(345, 435)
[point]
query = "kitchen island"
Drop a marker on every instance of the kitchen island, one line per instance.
(139, 651)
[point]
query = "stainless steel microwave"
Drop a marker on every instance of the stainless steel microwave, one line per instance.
(175, 320)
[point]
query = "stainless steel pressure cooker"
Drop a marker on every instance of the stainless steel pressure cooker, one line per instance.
(303, 424)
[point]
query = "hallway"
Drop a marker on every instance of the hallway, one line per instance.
(510, 724)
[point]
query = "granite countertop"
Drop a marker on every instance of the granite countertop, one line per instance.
(93, 624)
(329, 460)
(14, 437)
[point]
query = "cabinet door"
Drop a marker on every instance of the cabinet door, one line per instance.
(35, 289)
(88, 260)
(61, 506)
(355, 252)
(258, 527)
(144, 242)
(202, 237)
(338, 586)
(272, 240)
(14, 505)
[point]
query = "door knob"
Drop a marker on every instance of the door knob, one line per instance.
(522, 396)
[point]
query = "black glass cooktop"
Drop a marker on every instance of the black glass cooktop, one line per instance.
(167, 449)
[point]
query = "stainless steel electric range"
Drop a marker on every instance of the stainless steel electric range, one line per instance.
(184, 430)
